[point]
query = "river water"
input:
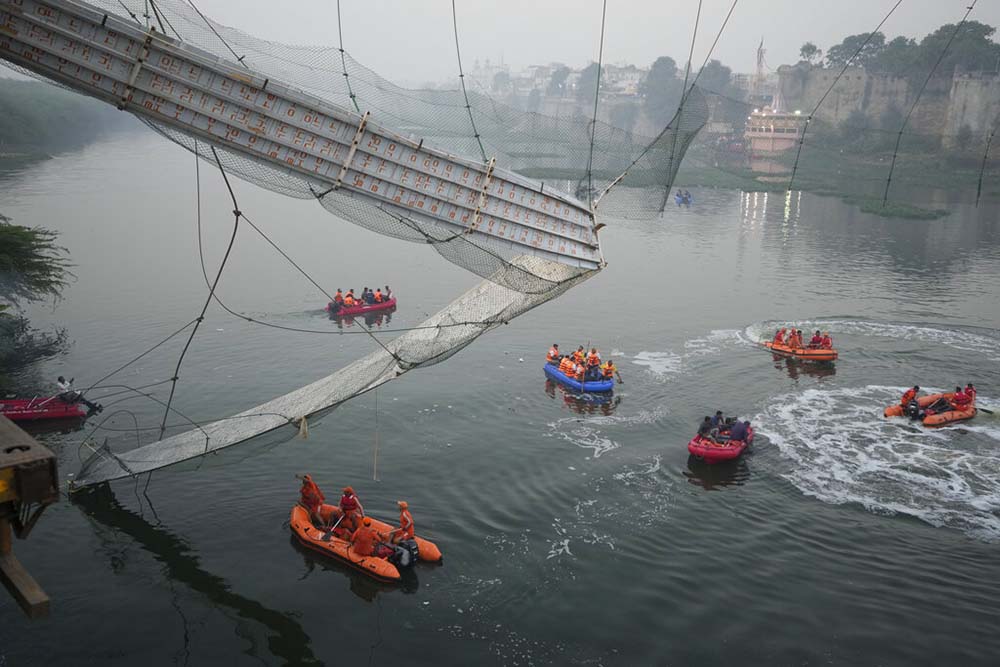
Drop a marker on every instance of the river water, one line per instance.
(573, 532)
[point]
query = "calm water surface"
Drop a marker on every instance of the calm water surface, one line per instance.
(573, 532)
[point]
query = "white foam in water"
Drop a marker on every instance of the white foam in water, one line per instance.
(844, 451)
(661, 364)
(955, 338)
(666, 364)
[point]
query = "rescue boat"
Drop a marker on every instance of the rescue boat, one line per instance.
(345, 311)
(937, 418)
(716, 452)
(804, 353)
(45, 407)
(592, 386)
(383, 567)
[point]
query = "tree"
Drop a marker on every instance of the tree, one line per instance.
(557, 82)
(586, 86)
(898, 56)
(972, 49)
(662, 89)
(501, 81)
(840, 54)
(853, 127)
(715, 77)
(32, 266)
(809, 52)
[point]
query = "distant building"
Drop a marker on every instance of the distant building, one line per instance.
(769, 133)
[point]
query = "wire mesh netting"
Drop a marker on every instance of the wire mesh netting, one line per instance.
(578, 160)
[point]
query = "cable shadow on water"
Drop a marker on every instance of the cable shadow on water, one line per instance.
(286, 639)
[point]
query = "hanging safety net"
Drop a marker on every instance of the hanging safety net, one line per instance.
(506, 194)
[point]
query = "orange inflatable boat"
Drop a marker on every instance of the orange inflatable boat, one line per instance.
(385, 568)
(937, 418)
(804, 353)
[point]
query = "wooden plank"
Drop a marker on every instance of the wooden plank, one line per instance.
(17, 581)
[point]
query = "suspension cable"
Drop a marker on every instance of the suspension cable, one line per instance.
(847, 63)
(899, 137)
(461, 77)
(343, 62)
(593, 122)
(222, 39)
(982, 169)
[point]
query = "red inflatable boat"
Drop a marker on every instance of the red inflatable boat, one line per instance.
(712, 452)
(346, 311)
(41, 407)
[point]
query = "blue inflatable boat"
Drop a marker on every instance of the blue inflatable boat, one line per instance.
(587, 385)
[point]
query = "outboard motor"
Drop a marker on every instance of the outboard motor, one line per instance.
(405, 554)
(913, 410)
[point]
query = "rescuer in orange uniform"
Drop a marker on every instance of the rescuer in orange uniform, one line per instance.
(312, 499)
(351, 508)
(405, 530)
(364, 539)
(909, 395)
(553, 356)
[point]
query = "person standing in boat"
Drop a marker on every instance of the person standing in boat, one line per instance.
(909, 396)
(779, 336)
(68, 395)
(351, 508)
(378, 296)
(593, 365)
(970, 391)
(311, 498)
(388, 293)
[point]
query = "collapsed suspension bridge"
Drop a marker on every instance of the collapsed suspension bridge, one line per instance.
(276, 123)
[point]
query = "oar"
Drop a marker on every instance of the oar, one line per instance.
(989, 412)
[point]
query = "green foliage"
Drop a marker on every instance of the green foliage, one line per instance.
(32, 266)
(557, 83)
(839, 54)
(716, 78)
(662, 89)
(586, 86)
(810, 53)
(22, 345)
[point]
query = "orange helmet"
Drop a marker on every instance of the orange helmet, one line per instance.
(367, 521)
(349, 490)
(402, 504)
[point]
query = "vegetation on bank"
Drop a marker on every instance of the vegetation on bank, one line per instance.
(32, 268)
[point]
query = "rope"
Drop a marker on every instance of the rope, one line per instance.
(461, 77)
(597, 97)
(666, 129)
(899, 137)
(137, 358)
(979, 186)
(222, 39)
(343, 62)
(211, 293)
(375, 458)
(680, 110)
(805, 128)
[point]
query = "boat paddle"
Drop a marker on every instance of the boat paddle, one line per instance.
(989, 412)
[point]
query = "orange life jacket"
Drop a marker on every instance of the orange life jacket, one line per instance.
(593, 359)
(338, 297)
(907, 397)
(378, 296)
(406, 524)
(363, 541)
(827, 343)
(580, 370)
(609, 370)
(780, 336)
(552, 355)
(311, 497)
(567, 367)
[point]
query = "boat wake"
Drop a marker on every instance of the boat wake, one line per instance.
(843, 451)
(959, 339)
(666, 364)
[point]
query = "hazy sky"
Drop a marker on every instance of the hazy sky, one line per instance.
(411, 41)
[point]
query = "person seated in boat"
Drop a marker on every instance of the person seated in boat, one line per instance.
(718, 420)
(909, 396)
(311, 498)
(580, 373)
(349, 300)
(567, 366)
(706, 431)
(68, 395)
(960, 400)
(351, 508)
(779, 336)
(365, 538)
(816, 340)
(609, 370)
(378, 295)
(405, 530)
(827, 342)
(970, 391)
(553, 357)
(739, 430)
